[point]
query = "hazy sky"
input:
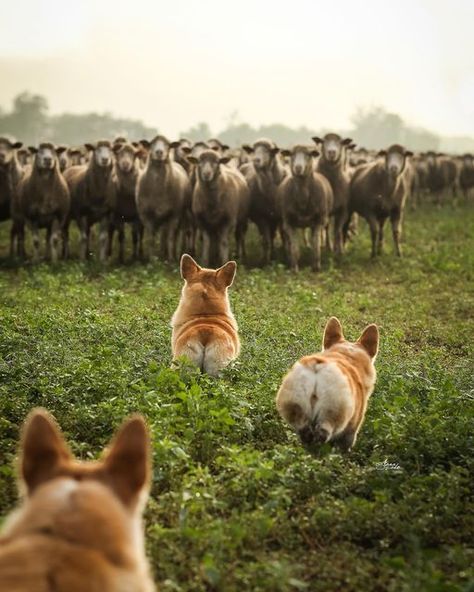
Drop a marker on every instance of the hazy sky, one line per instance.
(300, 62)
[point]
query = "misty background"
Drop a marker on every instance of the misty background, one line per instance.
(379, 72)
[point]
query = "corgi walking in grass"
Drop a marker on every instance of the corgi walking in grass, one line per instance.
(324, 396)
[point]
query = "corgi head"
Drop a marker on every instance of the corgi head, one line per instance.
(316, 396)
(124, 467)
(205, 290)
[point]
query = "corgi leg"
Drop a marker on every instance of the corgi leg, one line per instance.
(217, 356)
(192, 350)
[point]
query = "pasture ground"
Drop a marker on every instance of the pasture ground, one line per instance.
(237, 504)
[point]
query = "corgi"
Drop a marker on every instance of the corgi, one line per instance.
(79, 526)
(204, 328)
(324, 396)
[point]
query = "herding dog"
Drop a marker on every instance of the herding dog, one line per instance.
(324, 396)
(79, 527)
(204, 328)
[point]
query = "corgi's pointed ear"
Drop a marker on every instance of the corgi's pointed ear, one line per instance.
(370, 340)
(127, 462)
(188, 266)
(225, 274)
(43, 449)
(332, 333)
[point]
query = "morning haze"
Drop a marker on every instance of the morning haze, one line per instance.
(309, 64)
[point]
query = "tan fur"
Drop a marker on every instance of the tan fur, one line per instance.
(11, 173)
(324, 396)
(79, 526)
(204, 328)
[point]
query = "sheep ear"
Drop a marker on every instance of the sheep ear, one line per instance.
(224, 147)
(17, 145)
(192, 159)
(127, 462)
(61, 149)
(189, 267)
(43, 449)
(247, 148)
(174, 144)
(408, 153)
(382, 153)
(33, 149)
(186, 149)
(275, 150)
(285, 152)
(332, 333)
(347, 141)
(369, 340)
(226, 273)
(145, 143)
(89, 147)
(315, 153)
(224, 159)
(317, 140)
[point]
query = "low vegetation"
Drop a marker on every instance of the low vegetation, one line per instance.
(237, 503)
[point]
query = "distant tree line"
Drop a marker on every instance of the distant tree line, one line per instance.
(30, 121)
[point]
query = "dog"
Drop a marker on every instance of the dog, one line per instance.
(204, 328)
(79, 526)
(324, 396)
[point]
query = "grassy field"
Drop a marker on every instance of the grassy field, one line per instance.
(236, 503)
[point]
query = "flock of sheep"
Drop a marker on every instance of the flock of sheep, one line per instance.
(199, 196)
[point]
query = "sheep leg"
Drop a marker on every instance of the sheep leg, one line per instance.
(293, 247)
(267, 245)
(110, 238)
(396, 221)
(54, 241)
(48, 243)
(121, 240)
(135, 235)
(223, 245)
(338, 231)
(240, 232)
(85, 230)
(36, 243)
(316, 244)
(65, 237)
(327, 235)
(380, 237)
(373, 235)
(205, 248)
(172, 236)
(103, 239)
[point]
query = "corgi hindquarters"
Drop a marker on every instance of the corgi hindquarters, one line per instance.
(324, 396)
(204, 328)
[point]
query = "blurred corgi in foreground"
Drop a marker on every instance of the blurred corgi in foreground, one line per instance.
(324, 396)
(204, 328)
(79, 527)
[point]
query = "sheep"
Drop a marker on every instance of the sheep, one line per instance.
(11, 173)
(220, 205)
(466, 175)
(305, 200)
(162, 192)
(332, 165)
(378, 191)
(125, 208)
(92, 197)
(43, 198)
(218, 146)
(263, 175)
(442, 175)
(181, 152)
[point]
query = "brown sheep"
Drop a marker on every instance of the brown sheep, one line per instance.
(220, 206)
(379, 191)
(125, 209)
(466, 176)
(11, 173)
(332, 165)
(44, 198)
(92, 196)
(162, 192)
(442, 175)
(263, 175)
(305, 201)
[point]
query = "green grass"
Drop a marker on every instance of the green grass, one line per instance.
(236, 503)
